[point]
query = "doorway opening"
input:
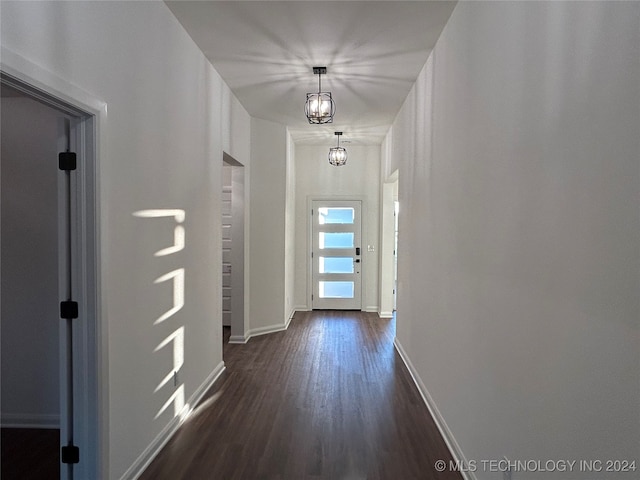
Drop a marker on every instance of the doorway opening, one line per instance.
(389, 247)
(48, 270)
(233, 250)
(31, 413)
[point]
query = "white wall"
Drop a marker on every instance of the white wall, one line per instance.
(166, 129)
(519, 160)
(30, 310)
(360, 177)
(268, 212)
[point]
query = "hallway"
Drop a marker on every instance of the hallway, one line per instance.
(327, 399)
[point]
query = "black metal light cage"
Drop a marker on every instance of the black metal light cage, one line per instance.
(338, 155)
(319, 107)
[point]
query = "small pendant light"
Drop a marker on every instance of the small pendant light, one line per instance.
(337, 155)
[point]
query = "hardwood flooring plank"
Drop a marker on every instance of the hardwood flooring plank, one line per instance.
(327, 399)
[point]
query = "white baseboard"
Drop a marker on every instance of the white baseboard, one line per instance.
(147, 456)
(452, 444)
(385, 314)
(195, 399)
(239, 339)
(302, 308)
(29, 420)
(371, 309)
(290, 317)
(255, 332)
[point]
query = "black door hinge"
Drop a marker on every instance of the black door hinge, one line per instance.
(69, 309)
(70, 454)
(67, 161)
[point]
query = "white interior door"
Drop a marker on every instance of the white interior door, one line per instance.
(336, 255)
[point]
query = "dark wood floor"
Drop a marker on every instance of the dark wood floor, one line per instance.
(327, 399)
(30, 454)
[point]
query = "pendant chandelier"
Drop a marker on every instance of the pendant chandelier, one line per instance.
(337, 155)
(319, 107)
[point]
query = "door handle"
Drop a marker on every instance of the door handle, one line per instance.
(357, 250)
(357, 260)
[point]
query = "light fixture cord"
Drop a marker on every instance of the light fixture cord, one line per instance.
(319, 82)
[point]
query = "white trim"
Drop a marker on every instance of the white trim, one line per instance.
(256, 332)
(138, 467)
(302, 308)
(385, 314)
(265, 330)
(238, 339)
(30, 420)
(386, 256)
(89, 132)
(196, 397)
(290, 317)
(447, 435)
(373, 309)
(28, 72)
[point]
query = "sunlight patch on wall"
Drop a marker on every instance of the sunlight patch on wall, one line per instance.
(178, 232)
(177, 399)
(178, 293)
(175, 339)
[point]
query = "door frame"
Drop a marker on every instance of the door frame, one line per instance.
(387, 290)
(363, 240)
(239, 255)
(87, 133)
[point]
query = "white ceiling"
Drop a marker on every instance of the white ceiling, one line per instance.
(265, 51)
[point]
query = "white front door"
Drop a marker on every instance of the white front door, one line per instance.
(336, 255)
